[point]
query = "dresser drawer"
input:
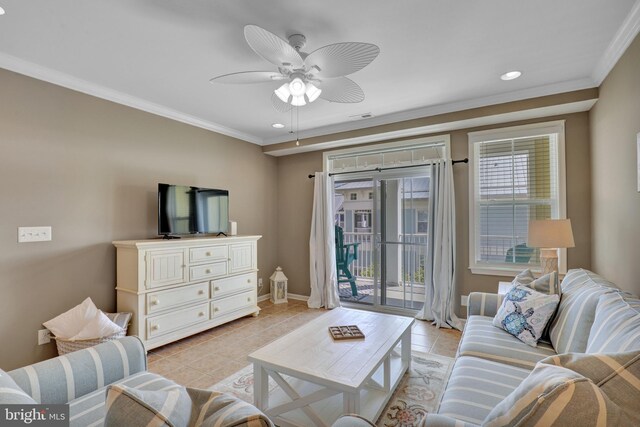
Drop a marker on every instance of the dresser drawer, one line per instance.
(209, 253)
(229, 304)
(234, 284)
(165, 323)
(208, 271)
(163, 300)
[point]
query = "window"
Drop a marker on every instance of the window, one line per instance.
(353, 196)
(516, 175)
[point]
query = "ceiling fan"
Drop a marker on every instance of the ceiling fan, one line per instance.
(307, 77)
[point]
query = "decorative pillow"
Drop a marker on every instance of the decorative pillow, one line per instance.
(129, 406)
(524, 313)
(98, 327)
(121, 319)
(11, 393)
(616, 326)
(547, 284)
(575, 389)
(179, 407)
(71, 322)
(211, 408)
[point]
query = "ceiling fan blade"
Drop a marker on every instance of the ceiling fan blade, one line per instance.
(280, 106)
(341, 59)
(271, 47)
(246, 77)
(341, 89)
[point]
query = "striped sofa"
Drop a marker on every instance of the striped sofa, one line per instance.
(80, 379)
(593, 316)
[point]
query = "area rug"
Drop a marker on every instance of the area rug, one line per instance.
(417, 394)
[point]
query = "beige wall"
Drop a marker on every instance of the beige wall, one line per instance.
(295, 198)
(90, 168)
(615, 122)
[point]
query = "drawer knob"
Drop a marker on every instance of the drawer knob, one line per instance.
(208, 270)
(228, 259)
(155, 301)
(248, 280)
(201, 314)
(183, 266)
(155, 327)
(208, 254)
(217, 288)
(216, 309)
(200, 292)
(249, 299)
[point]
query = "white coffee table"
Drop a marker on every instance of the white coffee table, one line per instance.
(320, 379)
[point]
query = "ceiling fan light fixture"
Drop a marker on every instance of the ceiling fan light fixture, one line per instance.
(298, 101)
(312, 92)
(297, 87)
(283, 92)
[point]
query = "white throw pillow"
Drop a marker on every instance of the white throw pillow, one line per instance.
(546, 284)
(524, 313)
(71, 322)
(100, 326)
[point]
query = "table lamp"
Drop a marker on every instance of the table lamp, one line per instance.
(549, 235)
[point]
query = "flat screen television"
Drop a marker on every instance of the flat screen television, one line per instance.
(184, 210)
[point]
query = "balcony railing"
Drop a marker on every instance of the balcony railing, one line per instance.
(414, 253)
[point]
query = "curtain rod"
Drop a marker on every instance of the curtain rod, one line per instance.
(465, 160)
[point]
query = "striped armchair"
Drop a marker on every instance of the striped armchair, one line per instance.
(81, 378)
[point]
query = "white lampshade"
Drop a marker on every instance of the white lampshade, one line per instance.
(312, 92)
(298, 101)
(550, 233)
(283, 92)
(297, 87)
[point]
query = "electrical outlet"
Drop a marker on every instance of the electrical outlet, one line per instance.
(464, 300)
(260, 283)
(44, 336)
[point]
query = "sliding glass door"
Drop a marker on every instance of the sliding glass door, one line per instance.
(384, 220)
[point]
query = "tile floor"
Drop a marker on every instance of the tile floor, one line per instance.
(204, 359)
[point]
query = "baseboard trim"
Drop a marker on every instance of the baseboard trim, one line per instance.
(297, 297)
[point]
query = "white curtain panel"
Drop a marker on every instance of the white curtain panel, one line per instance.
(440, 264)
(322, 249)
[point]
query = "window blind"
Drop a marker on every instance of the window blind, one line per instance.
(516, 180)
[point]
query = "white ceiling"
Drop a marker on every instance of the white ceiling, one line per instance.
(436, 56)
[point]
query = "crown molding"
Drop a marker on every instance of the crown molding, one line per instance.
(535, 92)
(59, 78)
(534, 113)
(621, 41)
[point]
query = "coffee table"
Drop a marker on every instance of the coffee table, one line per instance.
(320, 379)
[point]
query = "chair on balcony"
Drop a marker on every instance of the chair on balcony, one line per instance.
(522, 254)
(345, 255)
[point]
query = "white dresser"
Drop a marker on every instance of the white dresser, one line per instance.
(176, 288)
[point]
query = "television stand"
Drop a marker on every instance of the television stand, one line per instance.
(169, 237)
(222, 233)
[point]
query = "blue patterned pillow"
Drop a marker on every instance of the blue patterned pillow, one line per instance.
(524, 313)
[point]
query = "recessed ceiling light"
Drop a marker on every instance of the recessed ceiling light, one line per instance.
(511, 75)
(1, 11)
(277, 125)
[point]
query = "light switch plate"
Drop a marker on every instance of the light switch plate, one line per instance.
(34, 234)
(464, 300)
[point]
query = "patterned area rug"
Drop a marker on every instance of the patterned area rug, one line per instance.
(417, 394)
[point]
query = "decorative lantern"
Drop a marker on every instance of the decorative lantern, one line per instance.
(278, 286)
